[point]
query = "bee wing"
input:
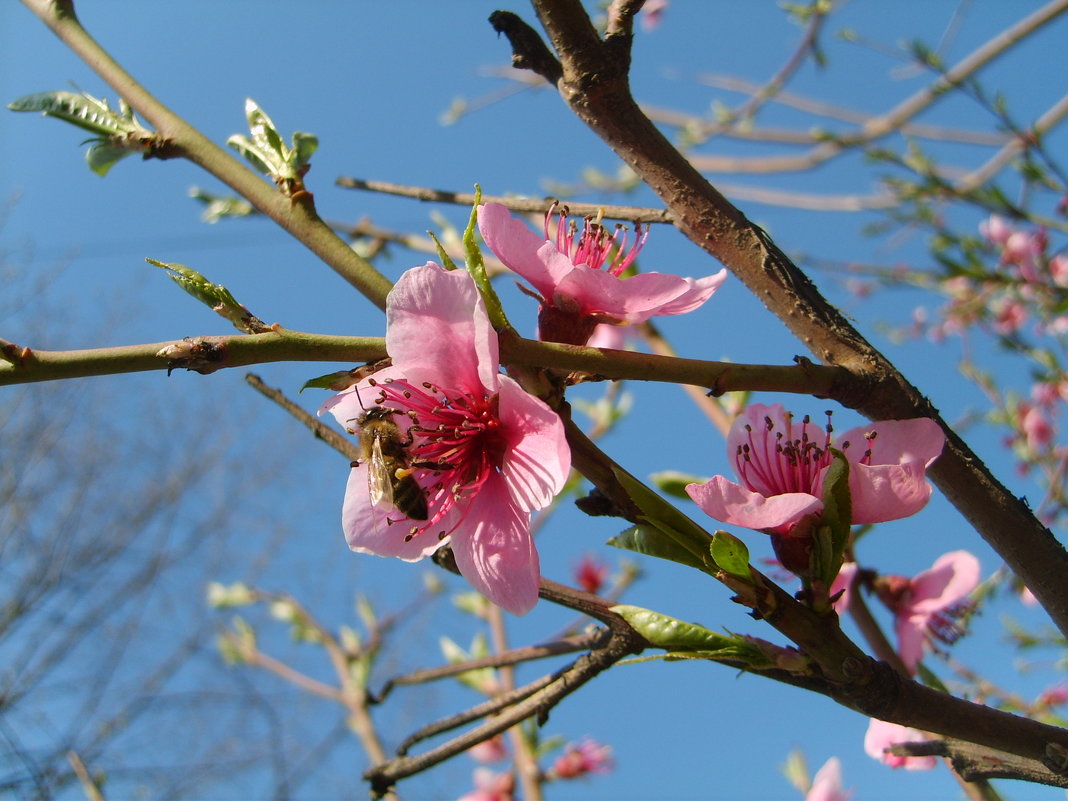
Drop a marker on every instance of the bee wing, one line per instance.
(379, 484)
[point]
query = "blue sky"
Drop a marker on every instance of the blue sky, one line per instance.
(372, 80)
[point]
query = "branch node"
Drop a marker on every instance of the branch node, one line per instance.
(529, 52)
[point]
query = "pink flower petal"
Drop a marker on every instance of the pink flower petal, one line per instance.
(367, 529)
(827, 783)
(538, 461)
(732, 503)
(437, 330)
(525, 252)
(881, 735)
(949, 580)
(911, 637)
(917, 440)
(634, 299)
(495, 551)
(887, 491)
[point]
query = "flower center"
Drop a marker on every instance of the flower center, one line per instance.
(594, 247)
(773, 462)
(454, 443)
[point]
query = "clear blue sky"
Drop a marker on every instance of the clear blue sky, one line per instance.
(371, 80)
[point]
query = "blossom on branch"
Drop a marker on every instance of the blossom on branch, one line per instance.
(782, 463)
(930, 606)
(881, 735)
(579, 275)
(582, 759)
(484, 453)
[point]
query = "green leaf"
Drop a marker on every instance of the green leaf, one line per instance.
(836, 519)
(330, 381)
(673, 483)
(265, 149)
(690, 640)
(102, 156)
(304, 145)
(215, 296)
(476, 265)
(217, 207)
(650, 541)
(83, 110)
(731, 555)
(443, 257)
(669, 521)
(116, 133)
(671, 633)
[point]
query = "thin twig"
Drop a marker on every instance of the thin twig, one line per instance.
(345, 447)
(511, 657)
(892, 120)
(523, 205)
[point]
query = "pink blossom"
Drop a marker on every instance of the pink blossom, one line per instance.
(929, 606)
(488, 751)
(490, 786)
(1009, 316)
(652, 14)
(827, 783)
(1057, 695)
(995, 229)
(484, 452)
(582, 759)
(1022, 248)
(881, 735)
(1058, 270)
(580, 276)
(1036, 427)
(782, 464)
(1045, 393)
(590, 574)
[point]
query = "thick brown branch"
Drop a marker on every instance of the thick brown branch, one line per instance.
(597, 90)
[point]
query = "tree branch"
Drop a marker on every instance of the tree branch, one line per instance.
(296, 217)
(597, 91)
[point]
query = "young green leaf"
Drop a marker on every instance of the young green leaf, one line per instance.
(650, 541)
(731, 555)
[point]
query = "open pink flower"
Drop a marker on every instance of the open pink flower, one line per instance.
(781, 465)
(827, 783)
(484, 452)
(580, 275)
(582, 759)
(881, 735)
(929, 607)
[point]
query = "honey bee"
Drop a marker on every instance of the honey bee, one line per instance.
(389, 470)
